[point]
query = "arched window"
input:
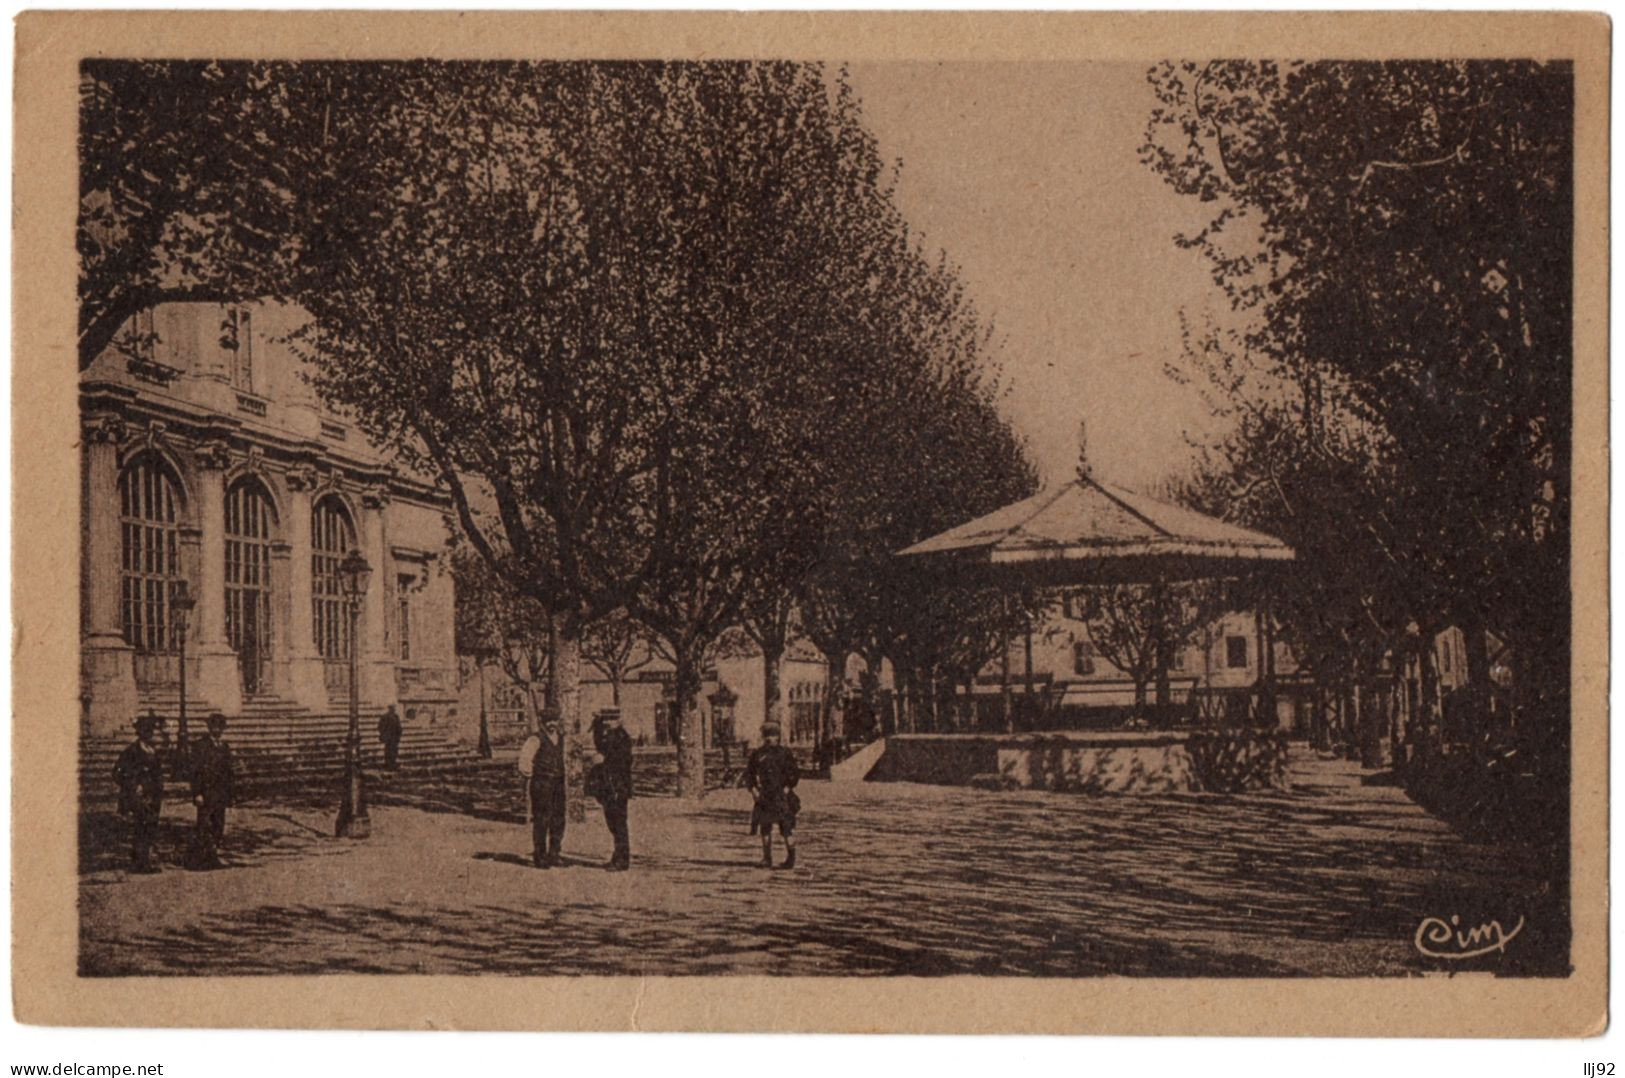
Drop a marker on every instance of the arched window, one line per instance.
(149, 526)
(332, 536)
(248, 579)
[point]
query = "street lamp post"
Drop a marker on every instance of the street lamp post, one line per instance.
(354, 573)
(181, 603)
(485, 725)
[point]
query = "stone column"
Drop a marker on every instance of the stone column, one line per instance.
(218, 681)
(306, 685)
(378, 686)
(281, 609)
(438, 623)
(107, 670)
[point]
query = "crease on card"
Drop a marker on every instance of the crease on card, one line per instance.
(637, 1004)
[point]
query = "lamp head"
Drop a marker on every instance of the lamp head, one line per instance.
(354, 574)
(181, 603)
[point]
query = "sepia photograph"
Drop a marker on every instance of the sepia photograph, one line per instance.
(1032, 521)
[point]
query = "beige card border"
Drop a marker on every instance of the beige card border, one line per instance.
(45, 547)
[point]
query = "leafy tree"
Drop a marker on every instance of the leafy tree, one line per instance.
(922, 405)
(183, 193)
(1139, 627)
(501, 628)
(617, 647)
(634, 316)
(1398, 238)
(1326, 490)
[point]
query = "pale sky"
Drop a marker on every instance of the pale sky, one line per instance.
(1028, 175)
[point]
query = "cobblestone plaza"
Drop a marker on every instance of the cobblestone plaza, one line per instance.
(1331, 878)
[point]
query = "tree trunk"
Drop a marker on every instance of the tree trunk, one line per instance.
(1476, 645)
(772, 691)
(1139, 697)
(551, 684)
(833, 683)
(1396, 741)
(869, 697)
(911, 699)
(532, 724)
(936, 701)
(1348, 719)
(899, 698)
(1027, 657)
(485, 715)
(883, 701)
(565, 682)
(691, 744)
(1431, 715)
(928, 700)
(1368, 716)
(1266, 669)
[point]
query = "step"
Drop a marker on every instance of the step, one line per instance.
(272, 745)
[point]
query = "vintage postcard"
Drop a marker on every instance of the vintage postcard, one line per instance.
(812, 522)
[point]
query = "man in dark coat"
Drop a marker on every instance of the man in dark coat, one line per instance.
(139, 773)
(389, 732)
(213, 779)
(547, 794)
(614, 790)
(772, 775)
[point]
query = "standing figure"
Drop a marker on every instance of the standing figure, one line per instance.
(547, 793)
(213, 779)
(614, 790)
(772, 775)
(140, 777)
(389, 732)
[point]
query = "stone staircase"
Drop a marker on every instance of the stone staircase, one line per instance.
(276, 743)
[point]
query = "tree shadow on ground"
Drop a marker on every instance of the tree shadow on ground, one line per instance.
(494, 792)
(579, 939)
(934, 881)
(104, 841)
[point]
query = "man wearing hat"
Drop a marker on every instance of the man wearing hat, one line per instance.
(389, 732)
(547, 793)
(213, 777)
(614, 787)
(139, 773)
(772, 775)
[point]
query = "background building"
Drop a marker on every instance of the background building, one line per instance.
(209, 459)
(1081, 686)
(732, 699)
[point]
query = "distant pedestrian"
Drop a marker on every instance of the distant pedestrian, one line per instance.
(613, 787)
(772, 775)
(213, 790)
(139, 773)
(547, 794)
(389, 732)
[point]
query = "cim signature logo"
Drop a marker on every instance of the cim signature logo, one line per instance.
(1438, 938)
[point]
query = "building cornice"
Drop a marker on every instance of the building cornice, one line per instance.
(227, 440)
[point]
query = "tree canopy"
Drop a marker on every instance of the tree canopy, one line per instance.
(1396, 241)
(659, 328)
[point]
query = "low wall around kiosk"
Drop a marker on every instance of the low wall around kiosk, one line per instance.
(1127, 762)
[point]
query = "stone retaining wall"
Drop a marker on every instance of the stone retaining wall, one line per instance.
(1088, 761)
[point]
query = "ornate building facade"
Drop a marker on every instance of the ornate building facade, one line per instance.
(211, 468)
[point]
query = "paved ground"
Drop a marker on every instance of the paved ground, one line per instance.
(1330, 879)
